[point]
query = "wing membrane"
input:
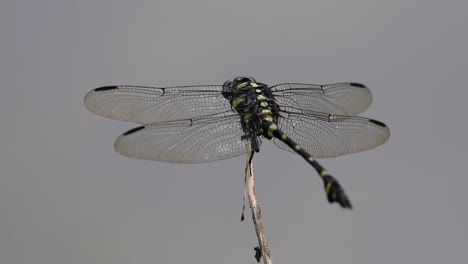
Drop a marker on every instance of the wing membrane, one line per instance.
(147, 105)
(336, 99)
(325, 136)
(185, 141)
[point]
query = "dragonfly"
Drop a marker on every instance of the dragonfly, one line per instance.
(202, 123)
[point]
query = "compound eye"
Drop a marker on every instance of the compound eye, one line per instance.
(252, 80)
(228, 83)
(236, 82)
(244, 79)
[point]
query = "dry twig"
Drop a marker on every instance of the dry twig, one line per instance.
(262, 251)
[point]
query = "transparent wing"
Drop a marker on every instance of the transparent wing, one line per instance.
(185, 141)
(336, 99)
(147, 105)
(325, 136)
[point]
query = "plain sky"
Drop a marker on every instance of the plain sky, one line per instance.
(67, 197)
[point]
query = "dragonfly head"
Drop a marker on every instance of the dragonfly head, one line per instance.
(239, 82)
(231, 87)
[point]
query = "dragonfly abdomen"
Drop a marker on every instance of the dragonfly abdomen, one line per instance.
(335, 192)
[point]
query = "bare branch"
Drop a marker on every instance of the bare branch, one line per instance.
(262, 251)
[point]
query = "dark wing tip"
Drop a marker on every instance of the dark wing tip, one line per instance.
(93, 92)
(359, 85)
(106, 88)
(133, 130)
(376, 122)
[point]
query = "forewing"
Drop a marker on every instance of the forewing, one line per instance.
(147, 105)
(326, 136)
(185, 141)
(336, 99)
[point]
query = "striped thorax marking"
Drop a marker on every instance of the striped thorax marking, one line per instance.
(247, 117)
(237, 101)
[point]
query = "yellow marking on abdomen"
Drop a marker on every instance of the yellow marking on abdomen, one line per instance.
(272, 128)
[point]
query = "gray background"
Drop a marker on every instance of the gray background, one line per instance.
(67, 197)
